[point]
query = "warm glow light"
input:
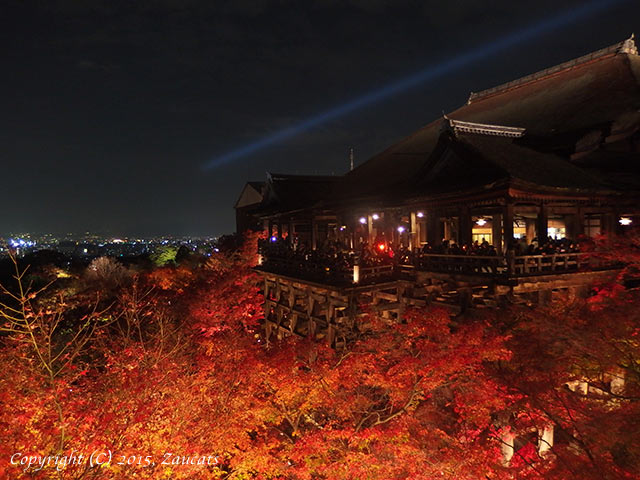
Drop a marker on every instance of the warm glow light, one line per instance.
(420, 214)
(400, 229)
(381, 247)
(625, 221)
(363, 220)
(343, 228)
(480, 222)
(375, 216)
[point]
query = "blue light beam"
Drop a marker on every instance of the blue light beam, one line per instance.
(428, 74)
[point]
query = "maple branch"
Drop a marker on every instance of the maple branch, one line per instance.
(380, 420)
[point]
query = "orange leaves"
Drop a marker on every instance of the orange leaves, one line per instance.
(167, 278)
(429, 397)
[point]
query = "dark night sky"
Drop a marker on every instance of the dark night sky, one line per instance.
(110, 108)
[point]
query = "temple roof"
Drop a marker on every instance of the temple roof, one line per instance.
(552, 111)
(289, 193)
(251, 194)
(472, 160)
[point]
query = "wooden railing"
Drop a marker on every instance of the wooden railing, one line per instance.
(349, 272)
(339, 273)
(553, 263)
(309, 270)
(375, 273)
(474, 264)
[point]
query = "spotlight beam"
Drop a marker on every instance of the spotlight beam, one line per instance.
(454, 63)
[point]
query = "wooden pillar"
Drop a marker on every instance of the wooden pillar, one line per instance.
(290, 230)
(544, 297)
(607, 223)
(433, 229)
(310, 312)
(507, 226)
(447, 229)
(578, 223)
(414, 234)
(616, 228)
(465, 227)
(530, 226)
(390, 228)
(314, 234)
(496, 231)
(352, 227)
(542, 224)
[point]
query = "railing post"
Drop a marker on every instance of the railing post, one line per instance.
(511, 260)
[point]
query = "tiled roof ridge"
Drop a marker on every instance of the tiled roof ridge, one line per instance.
(627, 46)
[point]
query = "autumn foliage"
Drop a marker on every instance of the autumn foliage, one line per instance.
(173, 362)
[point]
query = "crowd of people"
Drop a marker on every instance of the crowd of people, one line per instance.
(547, 246)
(331, 259)
(336, 258)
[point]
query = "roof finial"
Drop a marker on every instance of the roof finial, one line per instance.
(629, 46)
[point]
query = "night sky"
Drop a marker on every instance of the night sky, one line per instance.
(111, 108)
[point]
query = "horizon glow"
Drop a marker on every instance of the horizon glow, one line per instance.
(428, 74)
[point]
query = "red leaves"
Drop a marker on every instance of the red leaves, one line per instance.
(426, 398)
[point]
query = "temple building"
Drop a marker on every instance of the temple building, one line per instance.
(488, 203)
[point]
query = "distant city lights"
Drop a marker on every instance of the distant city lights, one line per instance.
(375, 216)
(625, 221)
(420, 214)
(20, 243)
(363, 220)
(401, 229)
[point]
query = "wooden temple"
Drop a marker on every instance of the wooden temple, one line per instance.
(550, 157)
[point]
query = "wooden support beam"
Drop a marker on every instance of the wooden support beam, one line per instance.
(465, 226)
(414, 234)
(507, 226)
(314, 234)
(542, 224)
(434, 234)
(496, 232)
